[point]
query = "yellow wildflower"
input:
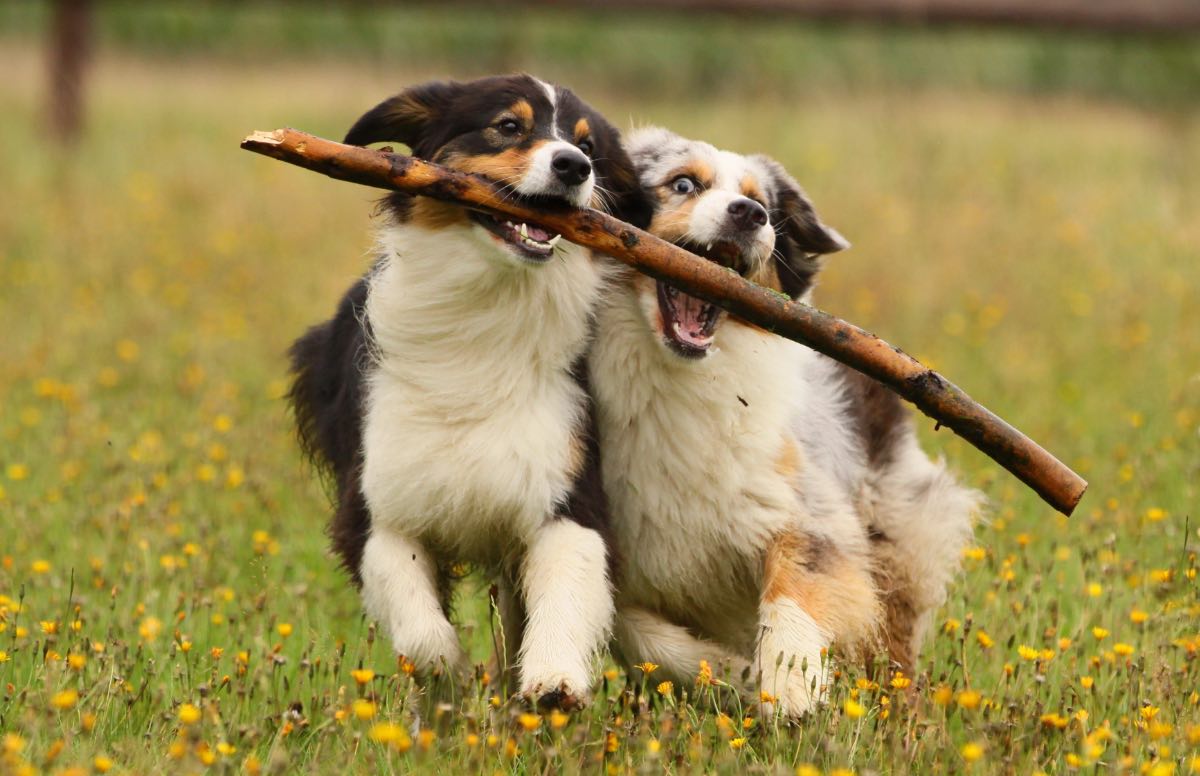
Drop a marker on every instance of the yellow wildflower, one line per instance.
(971, 751)
(64, 699)
(363, 709)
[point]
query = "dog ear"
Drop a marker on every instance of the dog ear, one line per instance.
(801, 238)
(408, 117)
(624, 196)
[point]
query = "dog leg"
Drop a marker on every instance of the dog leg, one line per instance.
(920, 520)
(400, 591)
(814, 595)
(569, 608)
(644, 637)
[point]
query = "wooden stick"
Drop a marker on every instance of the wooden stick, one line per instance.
(936, 396)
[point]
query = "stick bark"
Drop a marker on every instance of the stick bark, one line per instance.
(933, 394)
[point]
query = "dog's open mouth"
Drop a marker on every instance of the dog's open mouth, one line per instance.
(530, 241)
(689, 324)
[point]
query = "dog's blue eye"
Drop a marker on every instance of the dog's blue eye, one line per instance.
(509, 127)
(683, 185)
(586, 146)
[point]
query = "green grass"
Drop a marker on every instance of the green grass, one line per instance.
(159, 523)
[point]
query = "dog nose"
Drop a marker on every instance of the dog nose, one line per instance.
(747, 214)
(571, 167)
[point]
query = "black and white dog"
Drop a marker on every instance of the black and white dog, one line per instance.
(766, 502)
(448, 394)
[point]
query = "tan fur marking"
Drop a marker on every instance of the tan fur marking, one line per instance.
(576, 455)
(750, 189)
(432, 214)
(788, 462)
(582, 129)
(673, 224)
(507, 166)
(697, 169)
(522, 110)
(837, 592)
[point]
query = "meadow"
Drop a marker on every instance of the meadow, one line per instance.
(167, 600)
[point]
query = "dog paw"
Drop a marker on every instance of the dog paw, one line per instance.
(562, 694)
(792, 703)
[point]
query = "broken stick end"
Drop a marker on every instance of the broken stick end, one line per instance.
(259, 138)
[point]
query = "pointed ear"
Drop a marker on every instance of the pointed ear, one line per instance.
(801, 237)
(408, 117)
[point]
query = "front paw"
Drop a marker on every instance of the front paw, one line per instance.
(556, 691)
(792, 694)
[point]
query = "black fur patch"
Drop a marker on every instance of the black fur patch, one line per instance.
(328, 364)
(587, 503)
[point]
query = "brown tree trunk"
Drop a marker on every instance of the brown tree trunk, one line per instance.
(69, 51)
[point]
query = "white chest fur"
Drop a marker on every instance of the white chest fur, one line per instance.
(690, 454)
(470, 405)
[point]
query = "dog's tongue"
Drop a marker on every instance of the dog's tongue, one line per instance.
(690, 319)
(538, 233)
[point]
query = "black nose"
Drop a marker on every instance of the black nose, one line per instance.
(747, 214)
(571, 167)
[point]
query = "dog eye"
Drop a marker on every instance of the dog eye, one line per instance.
(586, 146)
(509, 126)
(683, 185)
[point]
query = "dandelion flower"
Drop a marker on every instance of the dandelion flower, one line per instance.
(985, 641)
(971, 752)
(558, 720)
(530, 722)
(1027, 653)
(1100, 634)
(647, 668)
(1137, 616)
(1095, 590)
(737, 743)
(284, 629)
(189, 714)
(1086, 682)
(362, 675)
(363, 709)
(389, 733)
(64, 699)
(1124, 650)
(40, 567)
(854, 709)
(665, 688)
(968, 699)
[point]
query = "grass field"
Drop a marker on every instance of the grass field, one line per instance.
(167, 603)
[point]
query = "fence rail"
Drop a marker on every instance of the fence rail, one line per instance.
(1164, 16)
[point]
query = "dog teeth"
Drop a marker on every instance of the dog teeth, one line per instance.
(524, 232)
(554, 240)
